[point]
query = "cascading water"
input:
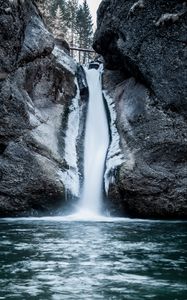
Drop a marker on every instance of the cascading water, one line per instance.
(96, 145)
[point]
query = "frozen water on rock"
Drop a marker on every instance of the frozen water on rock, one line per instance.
(70, 177)
(47, 122)
(64, 60)
(114, 156)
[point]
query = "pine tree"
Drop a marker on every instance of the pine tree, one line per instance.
(88, 25)
(84, 28)
(80, 26)
(44, 6)
(55, 4)
(72, 9)
(80, 30)
(58, 23)
(69, 21)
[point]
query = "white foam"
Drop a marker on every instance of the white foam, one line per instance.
(96, 145)
(87, 217)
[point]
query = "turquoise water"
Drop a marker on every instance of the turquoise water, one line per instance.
(123, 259)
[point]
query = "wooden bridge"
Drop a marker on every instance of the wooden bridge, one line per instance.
(83, 55)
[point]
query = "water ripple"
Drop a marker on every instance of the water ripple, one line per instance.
(52, 259)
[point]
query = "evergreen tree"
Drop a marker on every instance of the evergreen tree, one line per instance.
(84, 29)
(70, 21)
(55, 4)
(45, 6)
(59, 28)
(71, 14)
(88, 25)
(80, 26)
(80, 30)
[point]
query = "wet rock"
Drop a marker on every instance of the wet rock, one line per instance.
(37, 41)
(153, 54)
(36, 87)
(83, 105)
(147, 63)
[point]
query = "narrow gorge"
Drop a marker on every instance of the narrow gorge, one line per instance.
(138, 162)
(93, 150)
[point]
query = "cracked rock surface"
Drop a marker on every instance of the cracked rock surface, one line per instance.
(144, 45)
(36, 87)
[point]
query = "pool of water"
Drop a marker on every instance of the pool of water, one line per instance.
(52, 258)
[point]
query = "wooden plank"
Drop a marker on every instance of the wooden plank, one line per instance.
(82, 49)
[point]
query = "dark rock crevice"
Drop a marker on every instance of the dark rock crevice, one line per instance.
(2, 148)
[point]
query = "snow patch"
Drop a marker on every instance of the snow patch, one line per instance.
(137, 5)
(64, 60)
(46, 135)
(70, 177)
(167, 17)
(115, 156)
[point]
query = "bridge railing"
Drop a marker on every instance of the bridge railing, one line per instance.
(83, 55)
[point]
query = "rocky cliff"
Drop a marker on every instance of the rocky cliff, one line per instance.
(37, 85)
(144, 47)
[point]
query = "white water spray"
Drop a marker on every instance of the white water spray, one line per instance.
(96, 145)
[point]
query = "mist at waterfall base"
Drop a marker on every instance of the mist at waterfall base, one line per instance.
(88, 256)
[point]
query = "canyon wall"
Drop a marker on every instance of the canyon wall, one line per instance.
(37, 85)
(144, 48)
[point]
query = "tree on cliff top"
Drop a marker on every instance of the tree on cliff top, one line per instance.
(84, 29)
(54, 6)
(45, 8)
(71, 13)
(68, 19)
(59, 26)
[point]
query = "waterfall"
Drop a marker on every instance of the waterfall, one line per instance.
(95, 147)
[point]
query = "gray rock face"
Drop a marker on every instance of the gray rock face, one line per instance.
(152, 53)
(144, 45)
(36, 89)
